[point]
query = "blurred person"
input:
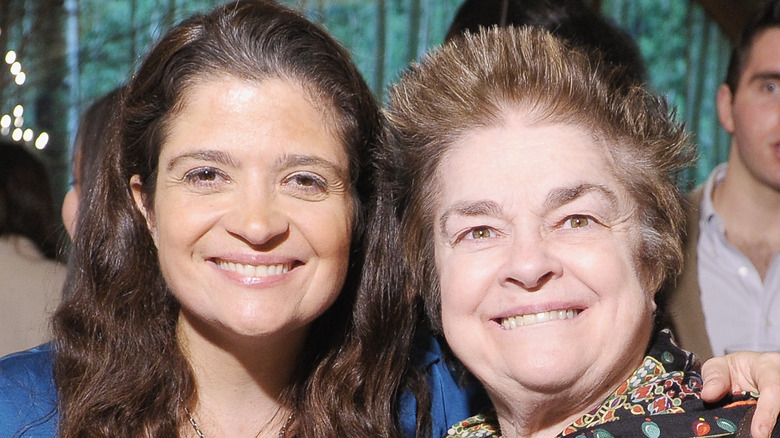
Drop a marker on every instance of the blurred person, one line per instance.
(572, 20)
(92, 139)
(728, 296)
(31, 278)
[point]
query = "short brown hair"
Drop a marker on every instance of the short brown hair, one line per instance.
(766, 17)
(473, 82)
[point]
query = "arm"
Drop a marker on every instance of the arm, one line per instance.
(747, 371)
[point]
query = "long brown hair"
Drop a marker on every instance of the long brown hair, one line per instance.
(118, 368)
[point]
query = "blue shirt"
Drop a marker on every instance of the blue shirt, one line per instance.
(450, 402)
(28, 398)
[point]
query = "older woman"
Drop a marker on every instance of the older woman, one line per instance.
(216, 256)
(539, 221)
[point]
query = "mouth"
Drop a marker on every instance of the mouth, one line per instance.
(516, 321)
(255, 271)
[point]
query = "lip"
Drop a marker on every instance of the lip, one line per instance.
(255, 270)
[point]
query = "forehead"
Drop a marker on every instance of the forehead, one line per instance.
(248, 122)
(516, 156)
(251, 106)
(764, 52)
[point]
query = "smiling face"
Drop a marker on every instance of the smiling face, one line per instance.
(534, 243)
(752, 115)
(252, 212)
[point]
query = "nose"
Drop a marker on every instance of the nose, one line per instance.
(257, 217)
(530, 264)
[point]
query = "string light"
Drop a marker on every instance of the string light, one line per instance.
(6, 122)
(42, 140)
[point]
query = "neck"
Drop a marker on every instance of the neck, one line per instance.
(533, 414)
(536, 419)
(748, 209)
(240, 383)
(739, 188)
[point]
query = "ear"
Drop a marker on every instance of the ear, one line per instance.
(725, 103)
(136, 187)
(70, 207)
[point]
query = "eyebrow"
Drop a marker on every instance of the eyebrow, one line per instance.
(204, 155)
(555, 199)
(564, 195)
(478, 208)
(764, 75)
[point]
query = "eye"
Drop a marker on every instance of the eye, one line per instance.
(771, 86)
(474, 234)
(306, 184)
(481, 233)
(577, 221)
(308, 180)
(204, 176)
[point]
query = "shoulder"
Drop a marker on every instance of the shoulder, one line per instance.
(693, 206)
(451, 400)
(695, 196)
(25, 269)
(730, 418)
(663, 399)
(453, 390)
(27, 393)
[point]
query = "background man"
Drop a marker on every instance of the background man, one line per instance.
(729, 294)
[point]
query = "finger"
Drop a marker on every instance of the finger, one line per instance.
(766, 374)
(765, 416)
(716, 379)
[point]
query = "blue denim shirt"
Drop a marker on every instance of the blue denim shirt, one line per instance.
(450, 402)
(28, 398)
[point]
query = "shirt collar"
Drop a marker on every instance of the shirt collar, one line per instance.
(708, 213)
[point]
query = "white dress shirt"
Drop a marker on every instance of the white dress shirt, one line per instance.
(739, 308)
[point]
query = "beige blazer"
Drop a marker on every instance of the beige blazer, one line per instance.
(30, 289)
(683, 312)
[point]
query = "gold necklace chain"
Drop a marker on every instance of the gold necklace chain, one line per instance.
(200, 434)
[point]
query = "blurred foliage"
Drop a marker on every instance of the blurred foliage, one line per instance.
(685, 53)
(686, 56)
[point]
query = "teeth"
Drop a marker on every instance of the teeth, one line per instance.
(537, 318)
(252, 270)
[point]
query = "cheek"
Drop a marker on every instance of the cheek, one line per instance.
(329, 235)
(617, 273)
(332, 230)
(177, 222)
(462, 285)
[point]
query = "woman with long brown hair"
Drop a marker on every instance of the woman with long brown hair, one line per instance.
(216, 258)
